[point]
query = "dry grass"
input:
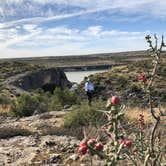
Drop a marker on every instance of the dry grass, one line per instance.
(8, 132)
(59, 131)
(4, 110)
(132, 114)
(118, 68)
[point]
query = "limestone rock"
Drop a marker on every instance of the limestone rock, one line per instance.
(46, 79)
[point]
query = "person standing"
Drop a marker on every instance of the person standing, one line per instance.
(89, 89)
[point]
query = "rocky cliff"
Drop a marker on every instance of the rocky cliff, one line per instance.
(47, 79)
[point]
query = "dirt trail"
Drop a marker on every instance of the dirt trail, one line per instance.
(12, 88)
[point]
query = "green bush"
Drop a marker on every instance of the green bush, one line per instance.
(61, 98)
(122, 80)
(4, 99)
(24, 105)
(84, 115)
(55, 104)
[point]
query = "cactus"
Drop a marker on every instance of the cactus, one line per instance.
(118, 147)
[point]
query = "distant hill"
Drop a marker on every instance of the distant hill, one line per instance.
(86, 60)
(90, 59)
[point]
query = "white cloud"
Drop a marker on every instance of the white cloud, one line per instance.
(63, 33)
(57, 17)
(34, 12)
(10, 1)
(93, 30)
(64, 40)
(153, 7)
(11, 36)
(23, 31)
(77, 49)
(62, 30)
(29, 27)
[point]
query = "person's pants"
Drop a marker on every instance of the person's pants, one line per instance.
(89, 95)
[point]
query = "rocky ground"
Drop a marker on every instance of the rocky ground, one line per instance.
(37, 150)
(35, 140)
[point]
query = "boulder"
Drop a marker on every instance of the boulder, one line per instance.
(46, 79)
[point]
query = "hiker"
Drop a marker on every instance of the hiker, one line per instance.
(89, 88)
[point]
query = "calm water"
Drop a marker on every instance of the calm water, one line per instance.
(78, 76)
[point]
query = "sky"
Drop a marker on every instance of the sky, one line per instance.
(35, 28)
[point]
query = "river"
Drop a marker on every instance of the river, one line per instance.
(78, 76)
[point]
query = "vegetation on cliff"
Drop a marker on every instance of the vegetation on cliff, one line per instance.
(123, 81)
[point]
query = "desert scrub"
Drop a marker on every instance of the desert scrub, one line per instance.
(4, 100)
(84, 115)
(62, 97)
(124, 82)
(24, 105)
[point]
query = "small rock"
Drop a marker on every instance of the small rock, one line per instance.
(2, 163)
(66, 106)
(39, 111)
(9, 161)
(73, 157)
(50, 143)
(74, 86)
(8, 154)
(54, 158)
(37, 151)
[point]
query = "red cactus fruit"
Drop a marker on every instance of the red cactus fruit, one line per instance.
(115, 100)
(82, 150)
(99, 146)
(128, 143)
(142, 77)
(82, 143)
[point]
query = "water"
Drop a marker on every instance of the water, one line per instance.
(78, 76)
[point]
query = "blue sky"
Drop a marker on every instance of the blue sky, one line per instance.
(34, 28)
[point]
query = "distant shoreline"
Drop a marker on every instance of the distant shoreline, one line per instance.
(87, 68)
(85, 62)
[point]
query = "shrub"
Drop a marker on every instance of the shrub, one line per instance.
(122, 80)
(4, 100)
(55, 104)
(61, 98)
(84, 115)
(24, 105)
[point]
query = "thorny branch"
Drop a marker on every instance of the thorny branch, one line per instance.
(156, 53)
(111, 127)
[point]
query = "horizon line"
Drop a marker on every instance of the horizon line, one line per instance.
(76, 55)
